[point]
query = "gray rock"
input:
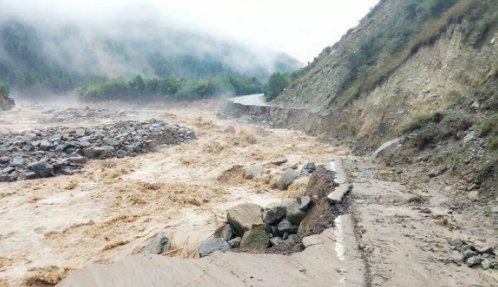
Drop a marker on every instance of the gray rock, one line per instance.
(8, 170)
(286, 227)
(294, 214)
(254, 172)
(211, 245)
(243, 216)
(42, 168)
(46, 145)
(4, 159)
(17, 162)
(227, 232)
(29, 175)
(66, 171)
(455, 242)
(255, 238)
(293, 238)
(473, 261)
(487, 250)
(84, 144)
(29, 137)
(486, 264)
(129, 148)
(469, 137)
(106, 152)
(111, 142)
(234, 243)
(475, 105)
(159, 244)
(91, 152)
(121, 153)
(80, 132)
(274, 241)
(434, 173)
(287, 179)
(309, 168)
(190, 135)
(300, 230)
(55, 138)
(304, 202)
(468, 253)
(387, 148)
(273, 213)
(279, 161)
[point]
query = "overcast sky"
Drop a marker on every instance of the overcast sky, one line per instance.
(301, 28)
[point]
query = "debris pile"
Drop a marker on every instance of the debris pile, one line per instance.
(61, 150)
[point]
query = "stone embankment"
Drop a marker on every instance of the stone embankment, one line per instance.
(61, 150)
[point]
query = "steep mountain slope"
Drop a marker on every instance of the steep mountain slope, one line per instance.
(376, 80)
(424, 71)
(58, 56)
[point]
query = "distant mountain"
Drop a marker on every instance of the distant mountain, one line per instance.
(59, 57)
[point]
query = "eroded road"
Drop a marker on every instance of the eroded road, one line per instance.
(103, 216)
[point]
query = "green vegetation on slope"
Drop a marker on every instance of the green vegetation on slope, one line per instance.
(4, 90)
(275, 86)
(153, 89)
(388, 37)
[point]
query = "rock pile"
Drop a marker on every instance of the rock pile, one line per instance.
(485, 258)
(61, 150)
(72, 115)
(251, 226)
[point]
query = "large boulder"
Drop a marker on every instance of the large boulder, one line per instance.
(243, 216)
(273, 213)
(159, 244)
(387, 148)
(225, 232)
(211, 245)
(255, 238)
(287, 179)
(42, 168)
(294, 213)
(286, 227)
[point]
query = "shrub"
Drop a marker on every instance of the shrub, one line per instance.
(276, 85)
(492, 143)
(489, 126)
(4, 90)
(423, 120)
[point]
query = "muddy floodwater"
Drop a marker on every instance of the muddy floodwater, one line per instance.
(111, 208)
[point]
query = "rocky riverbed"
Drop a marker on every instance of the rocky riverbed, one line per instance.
(61, 150)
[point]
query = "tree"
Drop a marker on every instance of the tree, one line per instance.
(4, 90)
(276, 85)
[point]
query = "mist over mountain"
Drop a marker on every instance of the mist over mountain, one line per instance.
(57, 53)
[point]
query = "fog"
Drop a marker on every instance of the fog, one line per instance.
(299, 28)
(118, 39)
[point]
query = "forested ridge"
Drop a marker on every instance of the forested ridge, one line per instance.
(36, 58)
(152, 89)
